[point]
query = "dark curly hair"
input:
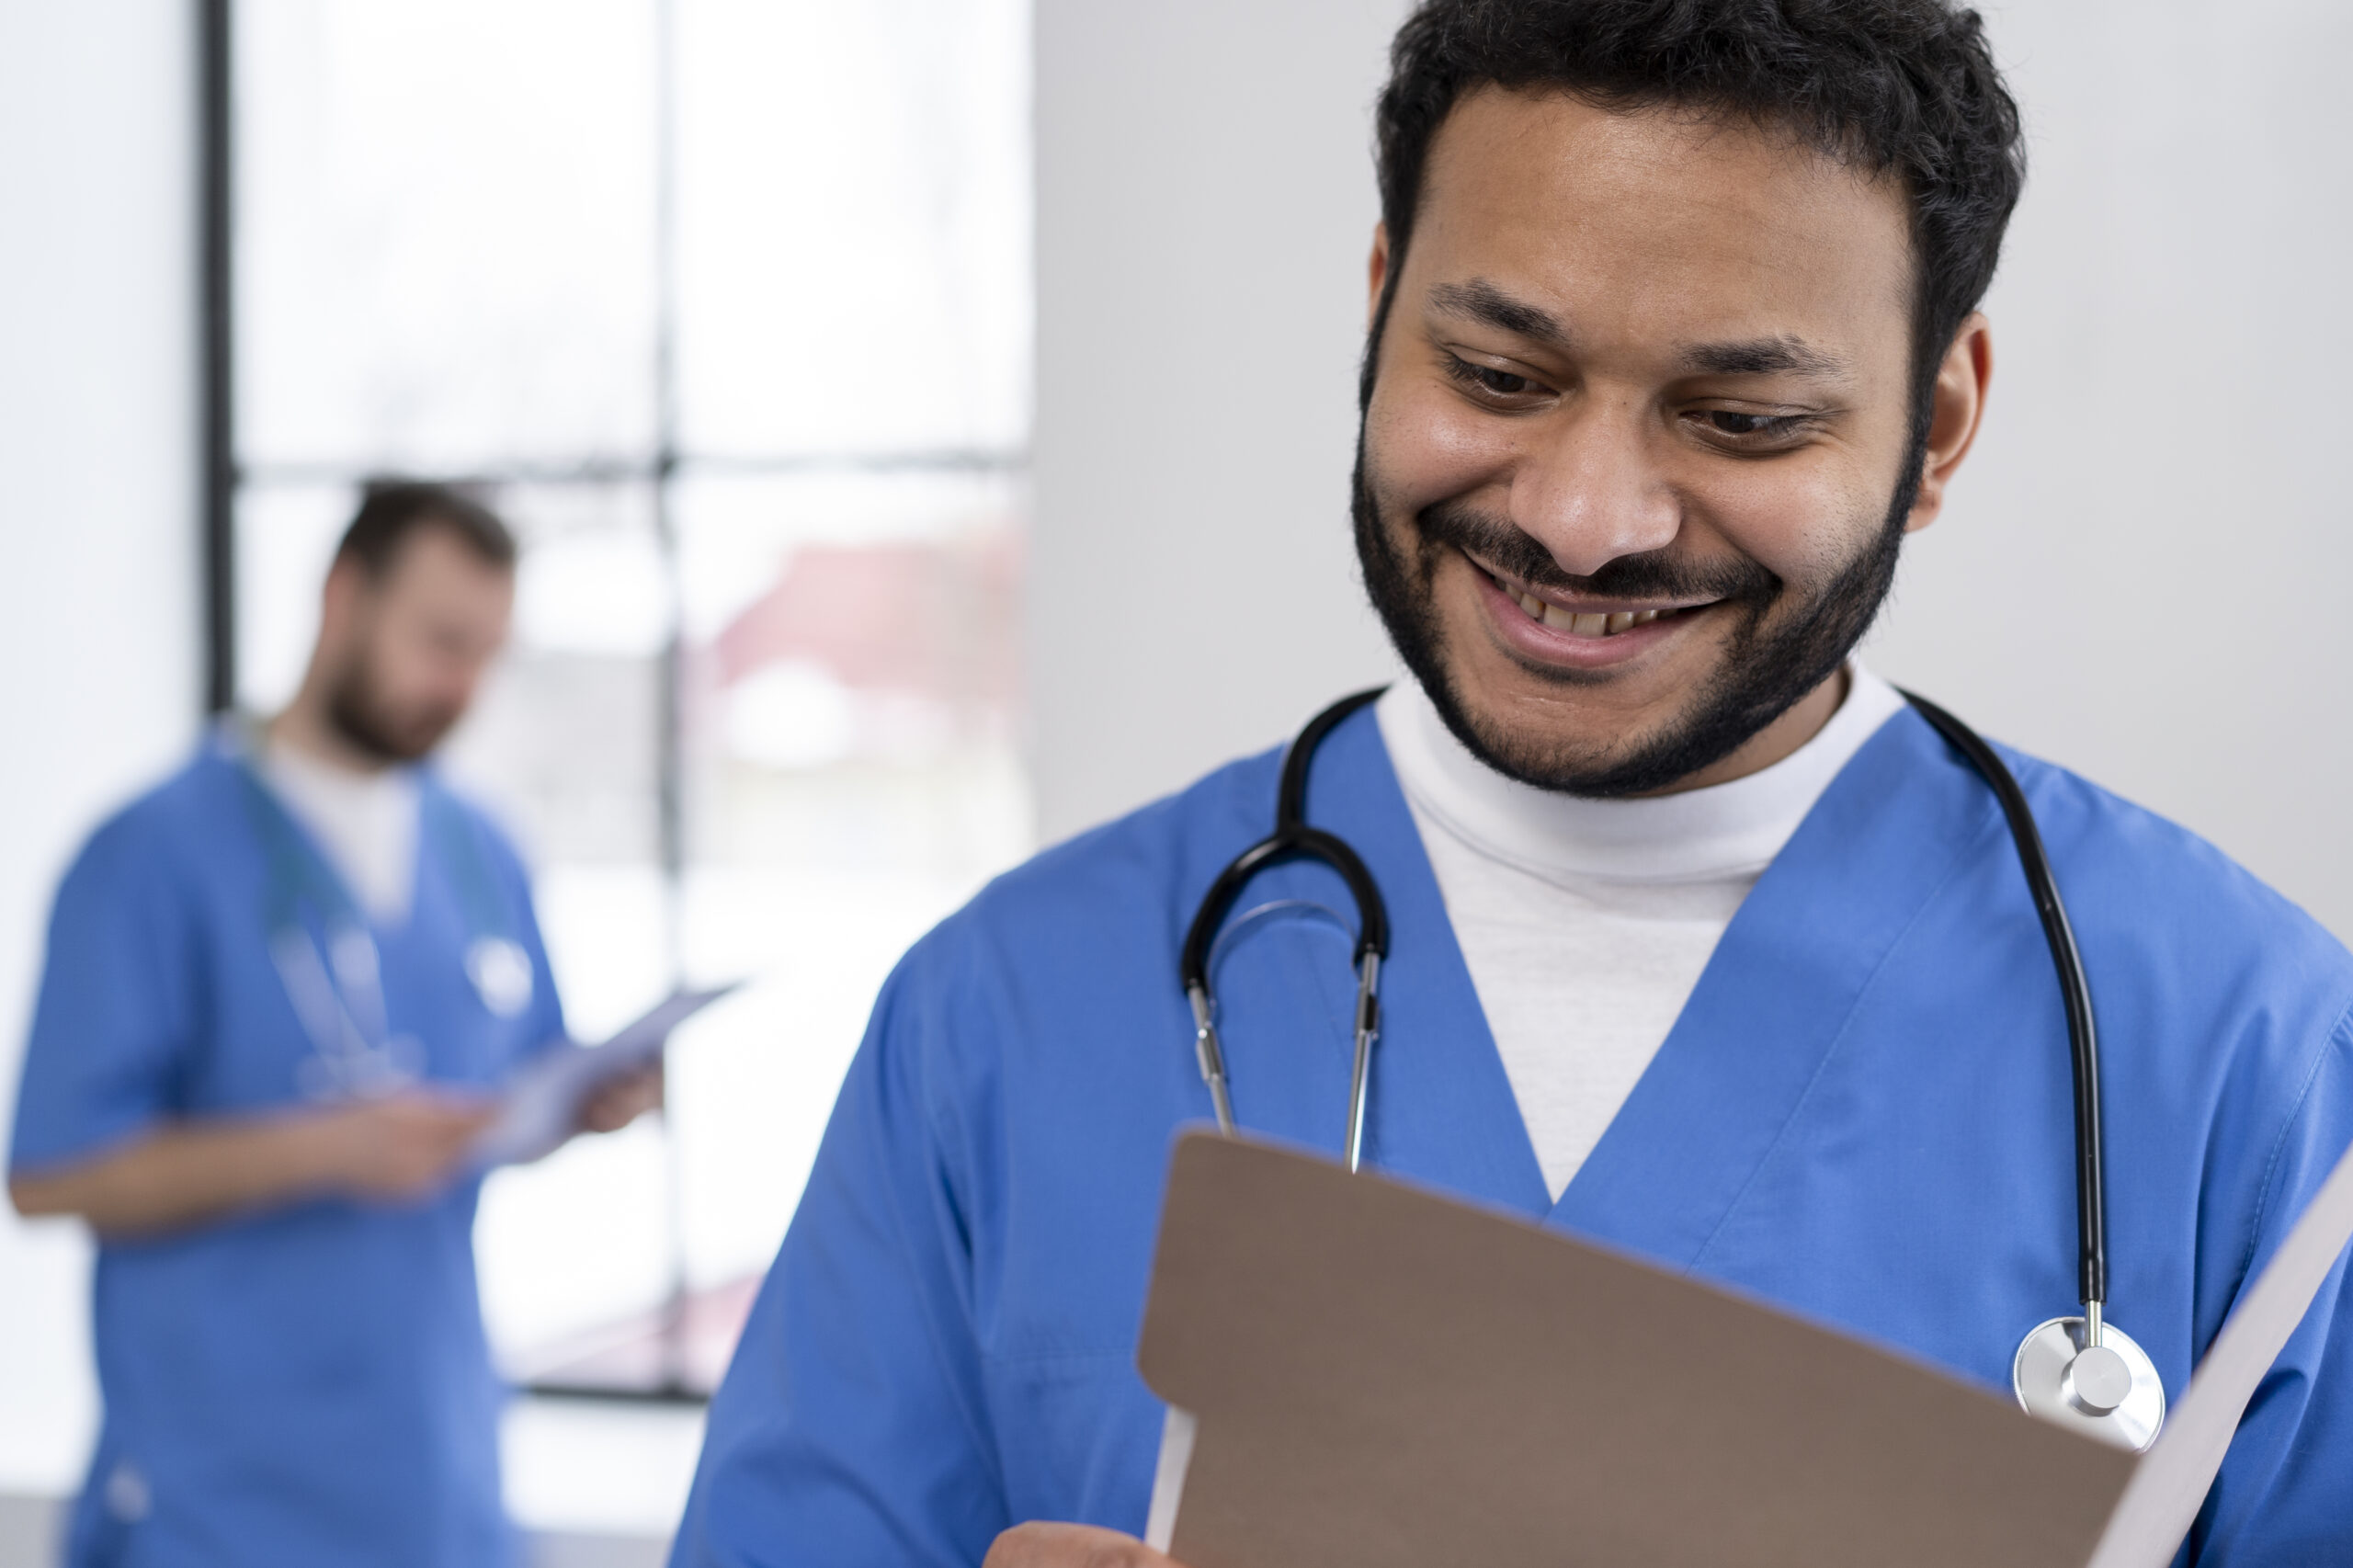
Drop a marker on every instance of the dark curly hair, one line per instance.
(1900, 87)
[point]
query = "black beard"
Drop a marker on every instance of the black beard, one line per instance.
(360, 719)
(1769, 661)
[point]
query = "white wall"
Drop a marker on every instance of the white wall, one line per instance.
(2143, 572)
(99, 683)
(1205, 208)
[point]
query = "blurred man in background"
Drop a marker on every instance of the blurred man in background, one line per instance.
(280, 991)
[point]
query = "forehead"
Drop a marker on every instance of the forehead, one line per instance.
(434, 563)
(1653, 224)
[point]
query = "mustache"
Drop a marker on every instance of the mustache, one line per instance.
(1652, 574)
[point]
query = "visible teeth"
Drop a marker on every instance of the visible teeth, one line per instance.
(1601, 624)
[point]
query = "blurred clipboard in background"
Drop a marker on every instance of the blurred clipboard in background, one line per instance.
(1363, 1374)
(541, 1105)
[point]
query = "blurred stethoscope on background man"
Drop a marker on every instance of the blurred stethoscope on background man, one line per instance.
(2078, 1371)
(326, 956)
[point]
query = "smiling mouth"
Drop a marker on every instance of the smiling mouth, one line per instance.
(1583, 623)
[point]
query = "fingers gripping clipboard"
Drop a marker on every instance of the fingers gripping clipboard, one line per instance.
(1363, 1374)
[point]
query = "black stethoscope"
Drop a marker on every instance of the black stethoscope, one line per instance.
(2079, 1371)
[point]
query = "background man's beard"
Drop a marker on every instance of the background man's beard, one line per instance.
(358, 716)
(1764, 670)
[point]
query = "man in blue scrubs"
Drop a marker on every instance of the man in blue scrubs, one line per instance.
(281, 988)
(1702, 943)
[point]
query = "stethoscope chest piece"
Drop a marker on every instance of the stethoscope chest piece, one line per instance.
(2110, 1391)
(501, 972)
(2076, 1371)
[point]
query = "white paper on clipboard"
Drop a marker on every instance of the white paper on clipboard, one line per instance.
(540, 1106)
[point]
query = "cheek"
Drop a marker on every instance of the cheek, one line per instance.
(407, 672)
(1800, 518)
(1423, 446)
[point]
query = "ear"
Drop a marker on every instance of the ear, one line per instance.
(339, 600)
(1957, 406)
(1376, 273)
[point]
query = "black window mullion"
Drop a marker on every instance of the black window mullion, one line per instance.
(215, 281)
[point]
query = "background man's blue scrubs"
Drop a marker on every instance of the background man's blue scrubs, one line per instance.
(1863, 1112)
(309, 1385)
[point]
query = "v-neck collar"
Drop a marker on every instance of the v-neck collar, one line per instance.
(1442, 1109)
(1899, 821)
(236, 746)
(1772, 1006)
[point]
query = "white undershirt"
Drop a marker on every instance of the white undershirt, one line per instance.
(1586, 923)
(367, 822)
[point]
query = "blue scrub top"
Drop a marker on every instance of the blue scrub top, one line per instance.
(1863, 1113)
(309, 1385)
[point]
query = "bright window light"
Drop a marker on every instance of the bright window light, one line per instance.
(726, 304)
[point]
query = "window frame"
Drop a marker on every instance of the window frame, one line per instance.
(226, 480)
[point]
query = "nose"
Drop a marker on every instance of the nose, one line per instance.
(1589, 490)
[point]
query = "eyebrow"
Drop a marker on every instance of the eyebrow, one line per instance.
(1763, 357)
(1481, 300)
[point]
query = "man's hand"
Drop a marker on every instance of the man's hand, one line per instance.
(1072, 1546)
(202, 1169)
(401, 1147)
(623, 1100)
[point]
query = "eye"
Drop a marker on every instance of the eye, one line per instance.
(1487, 380)
(1741, 430)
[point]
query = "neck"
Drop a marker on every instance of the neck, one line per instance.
(302, 726)
(1775, 740)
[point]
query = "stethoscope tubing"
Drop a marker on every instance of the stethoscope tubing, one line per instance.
(2074, 991)
(335, 986)
(1294, 839)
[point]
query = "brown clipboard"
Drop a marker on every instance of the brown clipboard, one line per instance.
(1365, 1374)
